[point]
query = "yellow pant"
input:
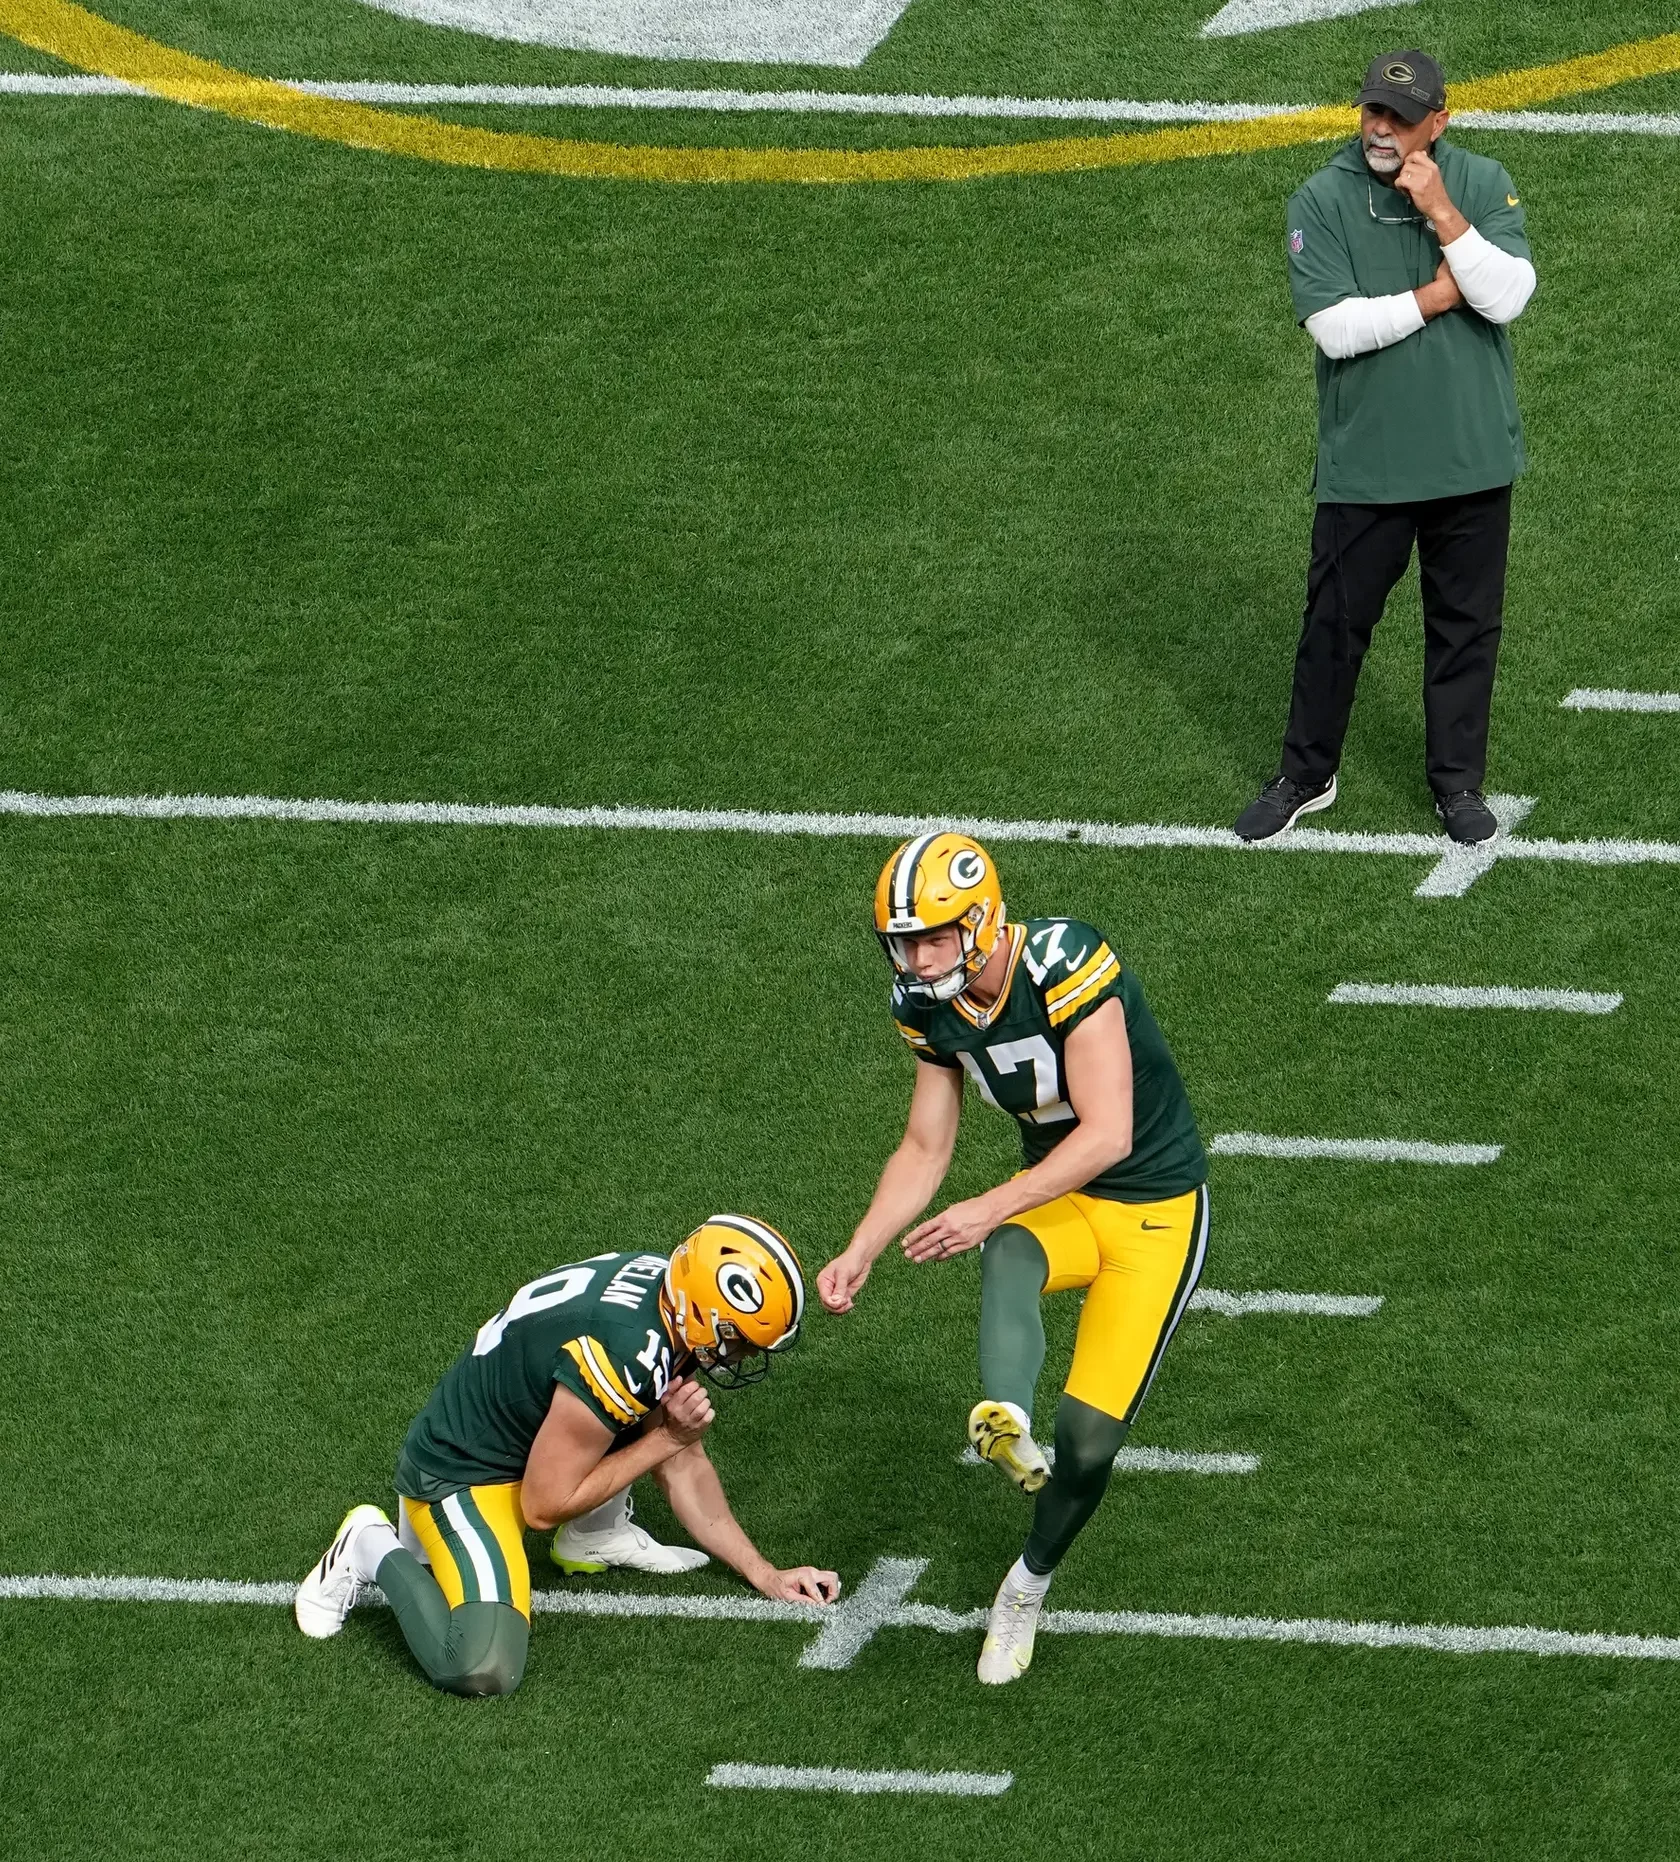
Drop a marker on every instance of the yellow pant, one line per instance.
(475, 1542)
(1140, 1263)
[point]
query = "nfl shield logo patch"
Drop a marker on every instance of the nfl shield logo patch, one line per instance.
(1296, 242)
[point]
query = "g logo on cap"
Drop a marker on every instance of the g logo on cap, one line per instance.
(1399, 73)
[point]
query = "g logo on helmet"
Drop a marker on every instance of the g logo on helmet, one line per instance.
(967, 868)
(739, 1285)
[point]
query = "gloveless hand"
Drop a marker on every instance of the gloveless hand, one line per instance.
(952, 1231)
(1420, 181)
(688, 1410)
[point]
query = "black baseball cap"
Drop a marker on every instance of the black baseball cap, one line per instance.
(1408, 83)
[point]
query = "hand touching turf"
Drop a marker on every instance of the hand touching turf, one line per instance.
(803, 1584)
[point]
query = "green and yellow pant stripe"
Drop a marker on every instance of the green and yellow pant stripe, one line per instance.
(475, 1540)
(466, 1620)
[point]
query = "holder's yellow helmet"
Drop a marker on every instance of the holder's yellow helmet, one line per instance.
(735, 1293)
(932, 881)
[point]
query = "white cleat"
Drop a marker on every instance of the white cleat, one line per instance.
(1011, 1628)
(324, 1598)
(609, 1540)
(1002, 1434)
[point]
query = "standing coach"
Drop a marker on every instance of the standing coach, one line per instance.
(1406, 261)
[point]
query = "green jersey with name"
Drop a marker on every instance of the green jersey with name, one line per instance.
(594, 1326)
(1060, 972)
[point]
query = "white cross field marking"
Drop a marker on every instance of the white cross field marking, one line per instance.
(1583, 698)
(1451, 996)
(1455, 871)
(1463, 864)
(860, 1783)
(1437, 1638)
(1150, 1461)
(850, 1625)
(1352, 1150)
(1320, 1305)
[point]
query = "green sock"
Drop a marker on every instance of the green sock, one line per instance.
(1012, 1275)
(1087, 1440)
(476, 1648)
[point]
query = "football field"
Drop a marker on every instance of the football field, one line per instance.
(586, 567)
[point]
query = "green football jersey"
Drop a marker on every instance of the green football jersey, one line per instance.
(1059, 972)
(594, 1326)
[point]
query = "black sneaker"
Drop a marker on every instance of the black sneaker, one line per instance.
(1466, 817)
(1281, 804)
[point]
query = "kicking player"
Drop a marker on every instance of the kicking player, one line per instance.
(1051, 1027)
(580, 1385)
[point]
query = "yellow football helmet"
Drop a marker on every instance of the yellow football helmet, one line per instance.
(734, 1293)
(932, 881)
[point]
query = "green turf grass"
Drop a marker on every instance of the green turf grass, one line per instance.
(332, 475)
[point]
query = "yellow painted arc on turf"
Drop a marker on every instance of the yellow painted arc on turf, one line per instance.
(97, 45)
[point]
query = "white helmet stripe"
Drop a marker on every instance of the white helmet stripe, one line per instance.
(760, 1232)
(904, 880)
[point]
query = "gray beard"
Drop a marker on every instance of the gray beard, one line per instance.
(1383, 163)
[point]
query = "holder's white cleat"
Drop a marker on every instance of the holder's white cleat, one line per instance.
(324, 1598)
(1011, 1629)
(1002, 1434)
(608, 1539)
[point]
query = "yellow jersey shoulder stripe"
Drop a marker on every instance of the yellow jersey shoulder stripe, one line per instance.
(603, 1385)
(913, 1035)
(1101, 960)
(1091, 988)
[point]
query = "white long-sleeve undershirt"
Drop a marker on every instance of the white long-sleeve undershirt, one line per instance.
(1357, 325)
(1496, 285)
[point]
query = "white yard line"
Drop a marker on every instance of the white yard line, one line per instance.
(1153, 1461)
(1571, 123)
(1438, 1638)
(1584, 698)
(1352, 1150)
(1318, 1305)
(1455, 869)
(860, 1783)
(846, 103)
(1452, 996)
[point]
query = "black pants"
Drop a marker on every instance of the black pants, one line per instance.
(1359, 552)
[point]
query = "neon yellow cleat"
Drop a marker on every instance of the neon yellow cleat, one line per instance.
(1001, 1433)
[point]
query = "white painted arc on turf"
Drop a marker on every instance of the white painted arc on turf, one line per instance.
(754, 32)
(1241, 16)
(1441, 1638)
(1453, 996)
(1153, 1461)
(732, 1777)
(1585, 698)
(1352, 1150)
(1316, 1305)
(848, 103)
